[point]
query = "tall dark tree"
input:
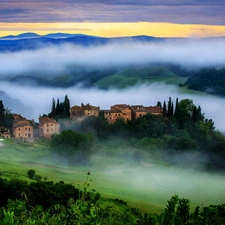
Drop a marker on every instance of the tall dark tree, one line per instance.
(164, 112)
(66, 105)
(52, 114)
(57, 109)
(2, 112)
(159, 104)
(170, 107)
(176, 111)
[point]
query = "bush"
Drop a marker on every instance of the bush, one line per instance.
(31, 173)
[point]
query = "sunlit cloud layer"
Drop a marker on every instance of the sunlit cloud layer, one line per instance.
(174, 11)
(115, 29)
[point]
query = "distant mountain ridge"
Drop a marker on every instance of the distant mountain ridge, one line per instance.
(32, 41)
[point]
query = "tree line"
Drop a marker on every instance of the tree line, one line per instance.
(209, 80)
(183, 127)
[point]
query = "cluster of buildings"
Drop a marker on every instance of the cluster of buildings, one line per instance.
(115, 112)
(23, 128)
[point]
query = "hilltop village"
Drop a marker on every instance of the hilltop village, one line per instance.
(25, 129)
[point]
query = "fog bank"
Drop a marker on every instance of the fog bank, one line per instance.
(39, 99)
(55, 59)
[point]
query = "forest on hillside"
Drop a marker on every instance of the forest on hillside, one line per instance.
(209, 80)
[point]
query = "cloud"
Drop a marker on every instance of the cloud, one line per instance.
(175, 11)
(56, 59)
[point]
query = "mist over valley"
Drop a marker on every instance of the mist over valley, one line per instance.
(103, 72)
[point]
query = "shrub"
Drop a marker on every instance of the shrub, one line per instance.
(31, 173)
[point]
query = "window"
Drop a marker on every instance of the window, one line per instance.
(25, 134)
(25, 128)
(47, 130)
(51, 124)
(47, 125)
(28, 129)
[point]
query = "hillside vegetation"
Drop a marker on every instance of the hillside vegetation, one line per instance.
(141, 74)
(104, 77)
(209, 80)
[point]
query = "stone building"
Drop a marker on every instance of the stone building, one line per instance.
(118, 111)
(48, 127)
(22, 128)
(80, 112)
(155, 110)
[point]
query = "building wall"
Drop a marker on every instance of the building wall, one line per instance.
(76, 111)
(91, 112)
(25, 131)
(139, 114)
(112, 115)
(48, 129)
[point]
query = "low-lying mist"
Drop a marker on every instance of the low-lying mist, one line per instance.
(39, 99)
(150, 181)
(58, 59)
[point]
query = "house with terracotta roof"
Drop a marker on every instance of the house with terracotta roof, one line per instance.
(127, 112)
(48, 127)
(138, 111)
(118, 111)
(22, 128)
(81, 112)
(155, 110)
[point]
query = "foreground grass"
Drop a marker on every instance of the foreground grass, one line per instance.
(146, 185)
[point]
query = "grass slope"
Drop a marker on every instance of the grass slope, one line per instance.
(140, 74)
(147, 186)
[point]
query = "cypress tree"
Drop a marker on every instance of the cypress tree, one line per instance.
(57, 109)
(53, 112)
(2, 112)
(66, 105)
(159, 104)
(164, 109)
(176, 112)
(170, 107)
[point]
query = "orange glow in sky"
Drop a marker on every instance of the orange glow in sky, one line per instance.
(115, 29)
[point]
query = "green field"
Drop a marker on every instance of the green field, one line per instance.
(140, 74)
(147, 185)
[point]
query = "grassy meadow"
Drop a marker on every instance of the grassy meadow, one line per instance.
(146, 185)
(140, 74)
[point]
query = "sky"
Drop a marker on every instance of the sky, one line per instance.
(112, 18)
